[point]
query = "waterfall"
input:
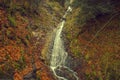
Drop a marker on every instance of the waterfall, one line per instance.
(59, 55)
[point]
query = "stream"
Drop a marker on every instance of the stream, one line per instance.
(59, 55)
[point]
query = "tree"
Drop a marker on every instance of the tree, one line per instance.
(92, 8)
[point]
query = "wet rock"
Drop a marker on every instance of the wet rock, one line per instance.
(73, 62)
(66, 73)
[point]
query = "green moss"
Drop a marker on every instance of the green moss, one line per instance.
(17, 66)
(12, 21)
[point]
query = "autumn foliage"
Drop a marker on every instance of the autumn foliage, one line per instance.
(18, 52)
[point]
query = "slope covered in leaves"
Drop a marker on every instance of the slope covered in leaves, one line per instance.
(23, 29)
(95, 37)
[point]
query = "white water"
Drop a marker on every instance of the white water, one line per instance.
(59, 54)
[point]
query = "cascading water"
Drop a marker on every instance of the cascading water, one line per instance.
(59, 54)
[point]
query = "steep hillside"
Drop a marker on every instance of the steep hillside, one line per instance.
(91, 37)
(24, 26)
(92, 33)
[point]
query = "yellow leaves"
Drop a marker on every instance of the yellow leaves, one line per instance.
(89, 62)
(87, 56)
